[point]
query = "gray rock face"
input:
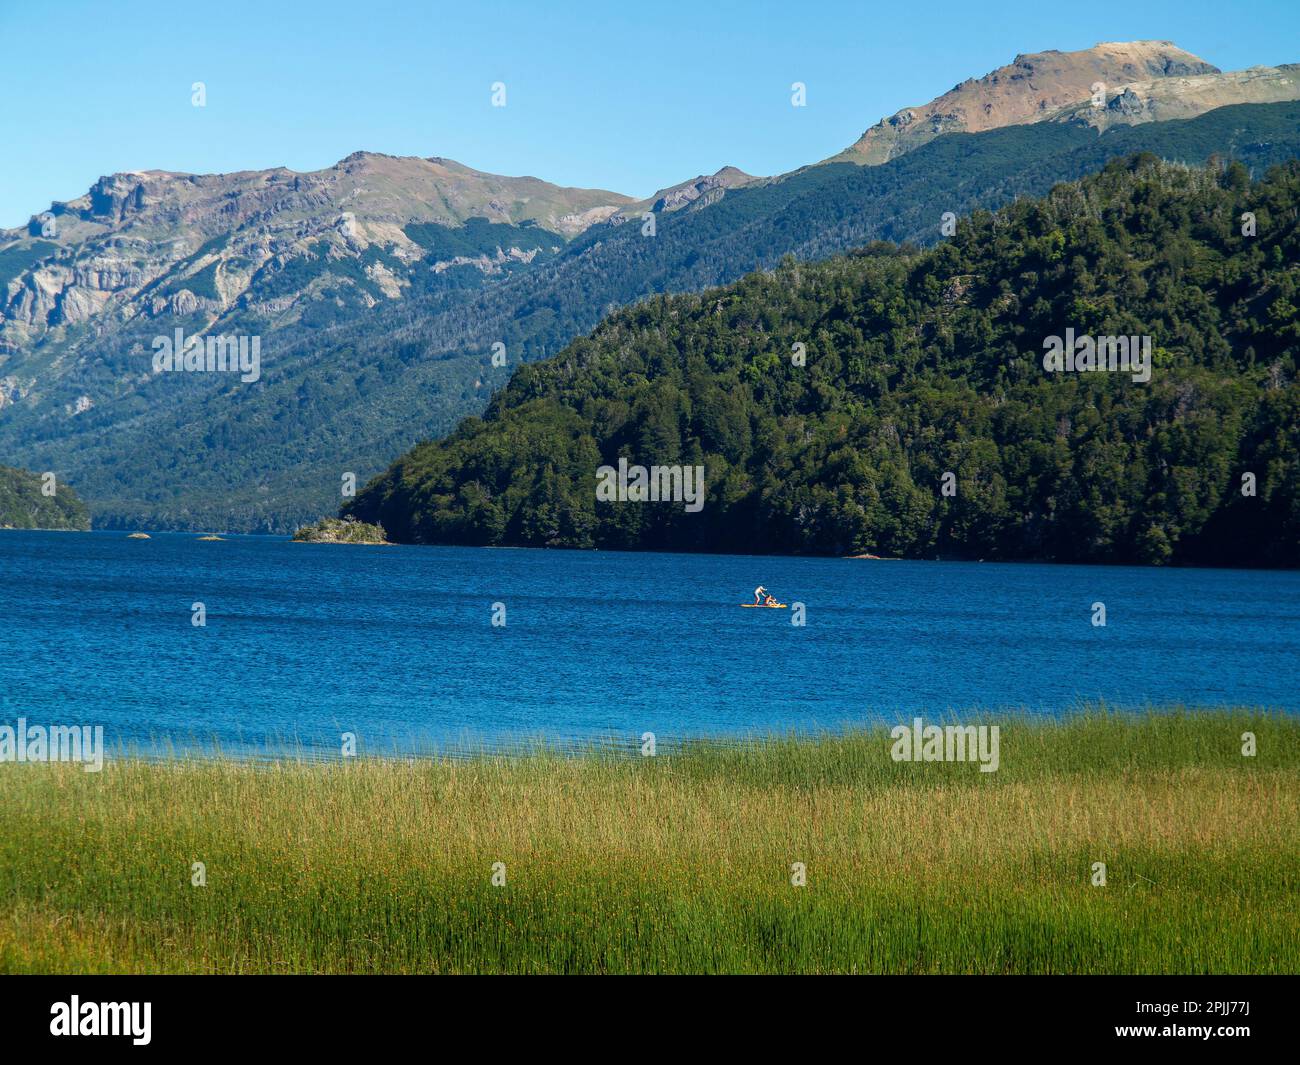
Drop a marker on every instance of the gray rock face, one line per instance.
(1168, 98)
(705, 188)
(1173, 67)
(1127, 103)
(135, 241)
(183, 303)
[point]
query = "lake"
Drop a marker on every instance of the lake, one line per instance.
(303, 642)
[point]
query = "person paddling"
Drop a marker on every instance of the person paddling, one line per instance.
(759, 592)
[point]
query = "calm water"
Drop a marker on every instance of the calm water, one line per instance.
(396, 644)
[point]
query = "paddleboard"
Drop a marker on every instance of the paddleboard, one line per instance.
(765, 606)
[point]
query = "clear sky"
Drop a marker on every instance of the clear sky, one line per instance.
(629, 97)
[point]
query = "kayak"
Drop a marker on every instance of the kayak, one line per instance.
(767, 606)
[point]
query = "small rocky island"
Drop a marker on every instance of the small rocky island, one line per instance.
(341, 531)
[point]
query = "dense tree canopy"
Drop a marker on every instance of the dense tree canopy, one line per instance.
(922, 363)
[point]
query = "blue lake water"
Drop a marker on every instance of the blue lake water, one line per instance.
(396, 644)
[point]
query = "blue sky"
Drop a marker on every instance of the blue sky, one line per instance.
(630, 98)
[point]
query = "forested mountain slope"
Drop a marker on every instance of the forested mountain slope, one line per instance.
(918, 364)
(25, 504)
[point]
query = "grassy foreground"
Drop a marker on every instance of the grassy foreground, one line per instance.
(678, 863)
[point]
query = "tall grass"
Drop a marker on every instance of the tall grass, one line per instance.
(678, 863)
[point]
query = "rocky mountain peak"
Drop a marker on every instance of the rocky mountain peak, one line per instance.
(1032, 87)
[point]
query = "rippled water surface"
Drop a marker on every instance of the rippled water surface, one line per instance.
(396, 644)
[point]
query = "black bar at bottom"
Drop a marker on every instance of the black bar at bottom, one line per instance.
(1217, 1014)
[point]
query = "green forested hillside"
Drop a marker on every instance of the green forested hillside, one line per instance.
(921, 363)
(24, 506)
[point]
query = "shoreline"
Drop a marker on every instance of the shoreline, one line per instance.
(288, 537)
(523, 746)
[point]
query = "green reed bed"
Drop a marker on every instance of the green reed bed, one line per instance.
(677, 863)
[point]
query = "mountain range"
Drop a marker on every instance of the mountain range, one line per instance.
(391, 297)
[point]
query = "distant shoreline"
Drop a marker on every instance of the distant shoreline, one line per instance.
(866, 556)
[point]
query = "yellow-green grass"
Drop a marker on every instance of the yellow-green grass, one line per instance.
(677, 863)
